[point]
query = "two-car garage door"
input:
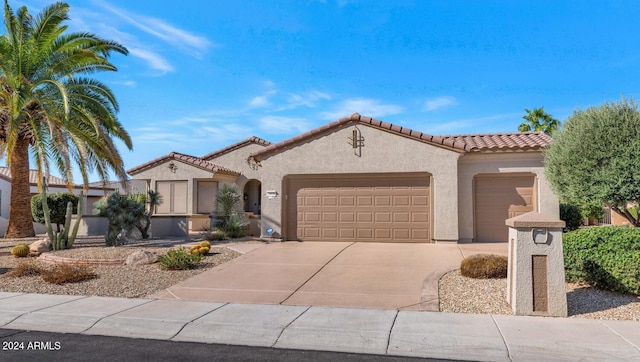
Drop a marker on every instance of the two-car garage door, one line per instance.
(376, 208)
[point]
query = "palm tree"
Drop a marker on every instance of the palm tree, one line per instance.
(154, 199)
(49, 109)
(539, 120)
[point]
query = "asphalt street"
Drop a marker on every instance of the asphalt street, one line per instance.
(32, 346)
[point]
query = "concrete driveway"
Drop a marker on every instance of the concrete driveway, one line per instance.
(337, 274)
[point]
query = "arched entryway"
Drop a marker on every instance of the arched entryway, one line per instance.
(251, 195)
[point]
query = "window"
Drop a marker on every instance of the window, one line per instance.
(174, 194)
(207, 191)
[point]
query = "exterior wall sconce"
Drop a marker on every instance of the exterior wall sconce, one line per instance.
(172, 167)
(356, 141)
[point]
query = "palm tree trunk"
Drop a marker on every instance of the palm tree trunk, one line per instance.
(20, 219)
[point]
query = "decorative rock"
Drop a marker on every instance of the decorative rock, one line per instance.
(142, 257)
(40, 246)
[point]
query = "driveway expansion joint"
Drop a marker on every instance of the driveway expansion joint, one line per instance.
(287, 326)
(393, 324)
(316, 273)
(619, 335)
(504, 340)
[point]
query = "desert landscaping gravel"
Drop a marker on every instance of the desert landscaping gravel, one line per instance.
(459, 294)
(112, 281)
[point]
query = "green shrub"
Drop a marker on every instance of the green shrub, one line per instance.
(571, 215)
(214, 235)
(605, 257)
(484, 266)
(179, 259)
(229, 218)
(57, 207)
(592, 210)
(237, 225)
(123, 213)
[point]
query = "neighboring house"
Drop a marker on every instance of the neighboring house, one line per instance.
(361, 179)
(54, 184)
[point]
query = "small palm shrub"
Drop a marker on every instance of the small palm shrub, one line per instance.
(67, 273)
(20, 250)
(179, 259)
(229, 217)
(605, 257)
(484, 266)
(123, 213)
(237, 225)
(571, 215)
(214, 235)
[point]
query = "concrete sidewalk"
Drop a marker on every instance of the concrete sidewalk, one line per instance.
(375, 331)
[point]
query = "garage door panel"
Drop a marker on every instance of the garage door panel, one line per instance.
(359, 209)
(329, 233)
(347, 201)
(329, 217)
(497, 198)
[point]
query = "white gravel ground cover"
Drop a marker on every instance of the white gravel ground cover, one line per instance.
(459, 294)
(112, 281)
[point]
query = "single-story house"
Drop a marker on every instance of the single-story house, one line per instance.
(54, 184)
(361, 179)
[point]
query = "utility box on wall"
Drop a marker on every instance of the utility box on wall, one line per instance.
(535, 278)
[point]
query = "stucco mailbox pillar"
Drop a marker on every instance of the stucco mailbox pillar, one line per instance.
(535, 278)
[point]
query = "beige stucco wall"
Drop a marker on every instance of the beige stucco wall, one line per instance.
(472, 164)
(237, 160)
(383, 152)
(184, 172)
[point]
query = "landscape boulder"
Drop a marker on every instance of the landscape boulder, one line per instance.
(142, 257)
(40, 246)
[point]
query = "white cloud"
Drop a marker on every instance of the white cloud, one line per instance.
(365, 106)
(160, 29)
(439, 102)
(447, 128)
(259, 101)
(154, 60)
(308, 99)
(158, 137)
(126, 83)
(283, 125)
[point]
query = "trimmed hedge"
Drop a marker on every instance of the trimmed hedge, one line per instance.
(605, 257)
(571, 215)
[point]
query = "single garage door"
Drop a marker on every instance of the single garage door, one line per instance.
(499, 197)
(376, 208)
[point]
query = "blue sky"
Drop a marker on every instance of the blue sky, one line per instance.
(204, 74)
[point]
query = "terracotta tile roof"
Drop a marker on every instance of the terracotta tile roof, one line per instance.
(357, 118)
(235, 146)
(460, 143)
(503, 141)
(5, 173)
(188, 159)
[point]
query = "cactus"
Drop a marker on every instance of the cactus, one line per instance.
(47, 219)
(74, 232)
(205, 244)
(20, 250)
(61, 240)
